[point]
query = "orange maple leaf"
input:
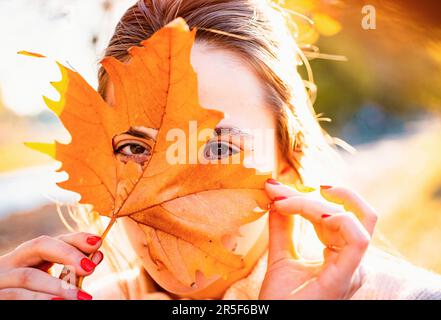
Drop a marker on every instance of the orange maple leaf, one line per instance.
(184, 209)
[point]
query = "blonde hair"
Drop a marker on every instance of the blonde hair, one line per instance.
(258, 30)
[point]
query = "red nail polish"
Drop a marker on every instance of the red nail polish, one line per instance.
(81, 295)
(272, 181)
(325, 187)
(324, 216)
(280, 198)
(87, 265)
(57, 298)
(93, 240)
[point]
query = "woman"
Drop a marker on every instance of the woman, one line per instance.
(246, 62)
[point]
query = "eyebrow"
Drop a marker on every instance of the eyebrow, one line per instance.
(232, 131)
(219, 131)
(139, 134)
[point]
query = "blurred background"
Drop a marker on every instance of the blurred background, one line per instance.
(381, 87)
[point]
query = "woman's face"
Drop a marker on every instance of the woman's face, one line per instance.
(226, 83)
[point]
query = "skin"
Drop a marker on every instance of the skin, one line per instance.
(344, 222)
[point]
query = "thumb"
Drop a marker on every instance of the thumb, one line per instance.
(281, 245)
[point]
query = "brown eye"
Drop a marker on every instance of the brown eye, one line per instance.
(136, 151)
(218, 150)
(132, 149)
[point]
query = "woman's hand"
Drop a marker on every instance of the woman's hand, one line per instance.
(345, 231)
(24, 271)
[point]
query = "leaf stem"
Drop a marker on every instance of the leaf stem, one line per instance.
(79, 281)
(103, 236)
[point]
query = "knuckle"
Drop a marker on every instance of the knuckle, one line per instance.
(363, 242)
(66, 250)
(40, 240)
(69, 253)
(25, 276)
(74, 256)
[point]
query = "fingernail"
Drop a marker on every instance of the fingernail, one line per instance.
(324, 216)
(93, 240)
(325, 187)
(100, 257)
(87, 265)
(280, 198)
(272, 181)
(81, 295)
(57, 298)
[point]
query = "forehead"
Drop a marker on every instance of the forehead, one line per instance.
(228, 83)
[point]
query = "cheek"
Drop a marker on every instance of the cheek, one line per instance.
(264, 150)
(260, 122)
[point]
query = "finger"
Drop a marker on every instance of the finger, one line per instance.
(357, 241)
(352, 202)
(24, 294)
(276, 189)
(69, 276)
(45, 248)
(36, 280)
(329, 255)
(85, 242)
(310, 209)
(97, 257)
(313, 210)
(281, 244)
